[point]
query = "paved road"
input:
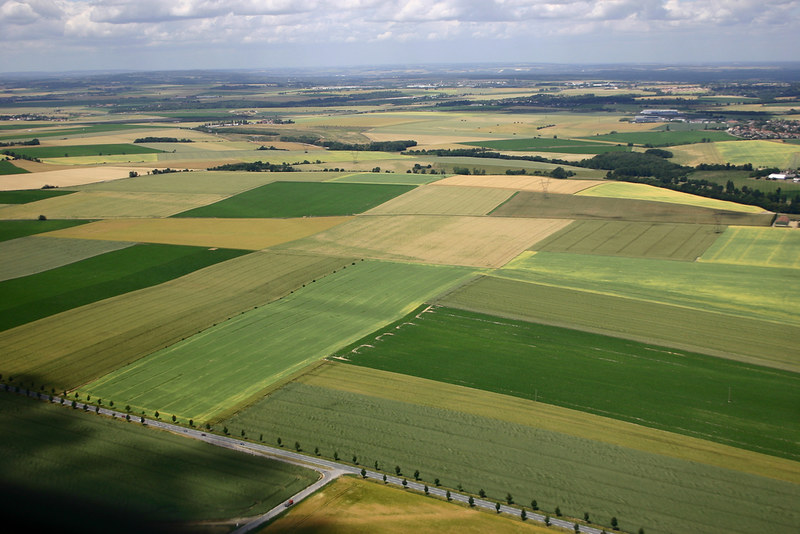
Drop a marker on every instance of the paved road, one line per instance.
(329, 470)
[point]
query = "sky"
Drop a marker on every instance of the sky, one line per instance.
(60, 35)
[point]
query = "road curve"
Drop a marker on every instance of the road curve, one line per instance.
(329, 470)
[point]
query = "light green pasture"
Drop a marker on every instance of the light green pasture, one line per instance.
(766, 247)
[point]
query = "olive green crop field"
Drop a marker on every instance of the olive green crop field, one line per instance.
(563, 146)
(484, 451)
(640, 240)
(529, 204)
(82, 344)
(21, 228)
(301, 199)
(669, 389)
(663, 138)
(82, 150)
(762, 342)
(229, 364)
(96, 473)
(32, 297)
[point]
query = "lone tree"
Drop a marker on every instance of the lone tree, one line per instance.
(363, 473)
(384, 478)
(447, 495)
(156, 414)
(416, 474)
(436, 481)
(397, 470)
(497, 507)
(297, 446)
(336, 455)
(558, 511)
(280, 442)
(614, 523)
(405, 483)
(355, 459)
(509, 499)
(523, 514)
(482, 493)
(576, 527)
(425, 489)
(534, 505)
(471, 501)
(547, 520)
(586, 516)
(316, 451)
(175, 419)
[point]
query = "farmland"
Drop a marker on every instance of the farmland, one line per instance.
(443, 239)
(249, 234)
(657, 194)
(645, 240)
(743, 290)
(453, 200)
(479, 451)
(82, 150)
(98, 277)
(668, 389)
(82, 344)
(122, 477)
(528, 204)
(564, 146)
(350, 505)
(301, 199)
(767, 247)
(598, 345)
(6, 167)
(205, 378)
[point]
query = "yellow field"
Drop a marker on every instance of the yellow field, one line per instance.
(441, 239)
(393, 386)
(352, 505)
(658, 194)
(454, 200)
(63, 177)
(536, 184)
(109, 204)
(760, 153)
(765, 247)
(246, 234)
(696, 154)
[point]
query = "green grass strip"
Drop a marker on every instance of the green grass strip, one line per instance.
(6, 167)
(30, 195)
(42, 294)
(82, 150)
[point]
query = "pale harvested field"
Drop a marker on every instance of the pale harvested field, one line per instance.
(441, 239)
(536, 184)
(454, 200)
(109, 204)
(64, 176)
(35, 166)
(37, 253)
(658, 194)
(394, 386)
(245, 234)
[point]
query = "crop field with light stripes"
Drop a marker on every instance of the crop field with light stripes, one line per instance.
(766, 247)
(435, 200)
(658, 194)
(204, 376)
(640, 240)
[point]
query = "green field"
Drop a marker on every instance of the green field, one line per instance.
(539, 144)
(768, 247)
(639, 240)
(6, 167)
(82, 150)
(82, 344)
(30, 195)
(747, 291)
(203, 376)
(15, 229)
(301, 199)
(665, 138)
(76, 131)
(578, 475)
(93, 474)
(668, 389)
(32, 297)
(34, 254)
(760, 153)
(742, 179)
(762, 342)
(528, 204)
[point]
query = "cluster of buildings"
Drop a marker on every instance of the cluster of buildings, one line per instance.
(659, 115)
(769, 129)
